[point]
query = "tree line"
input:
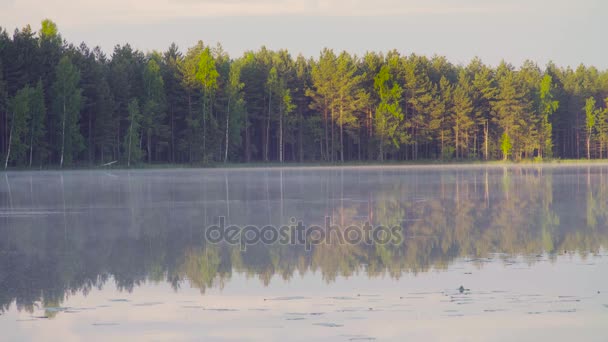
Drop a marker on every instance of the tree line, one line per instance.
(62, 104)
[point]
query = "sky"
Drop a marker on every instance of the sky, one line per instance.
(563, 31)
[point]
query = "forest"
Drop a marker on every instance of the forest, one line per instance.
(63, 105)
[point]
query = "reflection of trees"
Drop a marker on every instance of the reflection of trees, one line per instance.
(132, 230)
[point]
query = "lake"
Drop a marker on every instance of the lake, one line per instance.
(473, 253)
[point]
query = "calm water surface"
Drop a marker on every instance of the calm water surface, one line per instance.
(489, 253)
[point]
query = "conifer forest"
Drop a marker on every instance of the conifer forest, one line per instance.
(64, 105)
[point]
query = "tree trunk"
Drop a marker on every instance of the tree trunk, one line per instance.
(267, 146)
(31, 141)
(227, 123)
(247, 150)
(331, 122)
(341, 136)
(191, 129)
(149, 144)
(204, 128)
(130, 140)
(281, 136)
(456, 136)
(10, 137)
(62, 134)
(485, 133)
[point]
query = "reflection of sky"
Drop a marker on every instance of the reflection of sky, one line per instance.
(561, 30)
(537, 301)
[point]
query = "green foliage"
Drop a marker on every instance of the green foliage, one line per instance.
(389, 114)
(590, 115)
(505, 146)
(49, 29)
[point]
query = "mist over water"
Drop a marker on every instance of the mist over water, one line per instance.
(92, 254)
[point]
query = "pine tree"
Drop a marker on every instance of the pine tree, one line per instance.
(133, 152)
(19, 107)
(461, 115)
(37, 130)
(348, 98)
(67, 102)
(154, 115)
(548, 105)
(235, 111)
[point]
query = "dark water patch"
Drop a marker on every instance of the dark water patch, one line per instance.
(287, 298)
(193, 307)
(119, 300)
(534, 313)
(353, 309)
(295, 318)
(105, 324)
(424, 293)
(343, 298)
(329, 325)
(220, 309)
(148, 304)
(564, 310)
(305, 313)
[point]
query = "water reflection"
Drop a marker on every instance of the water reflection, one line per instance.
(66, 233)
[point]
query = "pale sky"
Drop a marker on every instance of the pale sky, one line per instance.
(565, 31)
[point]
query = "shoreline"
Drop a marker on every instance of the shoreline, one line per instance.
(327, 165)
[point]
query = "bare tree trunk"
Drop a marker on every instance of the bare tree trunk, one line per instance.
(588, 146)
(227, 123)
(326, 134)
(130, 140)
(247, 150)
(62, 134)
(149, 144)
(10, 138)
(267, 147)
(485, 133)
(31, 141)
(204, 128)
(341, 136)
(281, 135)
(331, 122)
(456, 136)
